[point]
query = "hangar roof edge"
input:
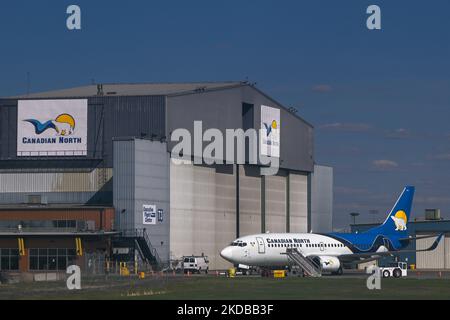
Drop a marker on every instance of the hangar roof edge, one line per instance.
(129, 89)
(148, 89)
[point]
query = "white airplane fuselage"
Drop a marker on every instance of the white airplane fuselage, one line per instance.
(270, 249)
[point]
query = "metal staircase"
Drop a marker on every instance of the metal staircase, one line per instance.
(145, 248)
(310, 267)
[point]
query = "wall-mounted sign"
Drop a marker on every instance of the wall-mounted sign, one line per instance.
(121, 250)
(149, 214)
(270, 132)
(52, 128)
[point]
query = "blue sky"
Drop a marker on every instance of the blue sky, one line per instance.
(379, 100)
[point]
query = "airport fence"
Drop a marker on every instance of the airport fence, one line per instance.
(98, 264)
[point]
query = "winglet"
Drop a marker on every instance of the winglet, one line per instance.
(434, 245)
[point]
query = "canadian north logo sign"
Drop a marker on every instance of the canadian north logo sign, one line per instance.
(64, 125)
(270, 132)
(52, 128)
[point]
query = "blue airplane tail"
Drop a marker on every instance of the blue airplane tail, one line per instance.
(398, 218)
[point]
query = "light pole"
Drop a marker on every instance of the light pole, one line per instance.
(354, 215)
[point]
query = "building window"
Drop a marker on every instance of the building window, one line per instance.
(51, 259)
(9, 259)
(41, 224)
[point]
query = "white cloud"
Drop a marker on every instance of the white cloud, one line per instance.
(350, 191)
(322, 88)
(347, 127)
(384, 164)
(400, 133)
(442, 156)
(432, 200)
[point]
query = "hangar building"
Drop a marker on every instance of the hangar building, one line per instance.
(84, 170)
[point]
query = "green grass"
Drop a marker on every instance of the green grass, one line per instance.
(233, 289)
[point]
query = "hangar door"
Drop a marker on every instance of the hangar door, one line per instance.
(298, 202)
(447, 251)
(430, 259)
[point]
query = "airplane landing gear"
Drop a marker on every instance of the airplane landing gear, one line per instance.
(339, 272)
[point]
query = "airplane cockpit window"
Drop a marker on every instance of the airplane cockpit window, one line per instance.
(238, 244)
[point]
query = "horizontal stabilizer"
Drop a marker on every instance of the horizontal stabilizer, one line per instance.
(389, 253)
(417, 238)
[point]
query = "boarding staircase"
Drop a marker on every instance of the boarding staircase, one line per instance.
(310, 267)
(141, 241)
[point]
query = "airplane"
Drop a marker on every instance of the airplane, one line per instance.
(329, 251)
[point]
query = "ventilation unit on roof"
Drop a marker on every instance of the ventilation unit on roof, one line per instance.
(36, 199)
(432, 214)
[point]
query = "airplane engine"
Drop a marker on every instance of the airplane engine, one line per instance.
(329, 264)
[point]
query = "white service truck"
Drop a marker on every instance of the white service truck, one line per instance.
(195, 264)
(396, 270)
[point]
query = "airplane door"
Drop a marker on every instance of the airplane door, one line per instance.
(261, 245)
(322, 246)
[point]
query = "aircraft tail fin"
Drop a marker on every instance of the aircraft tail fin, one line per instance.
(398, 218)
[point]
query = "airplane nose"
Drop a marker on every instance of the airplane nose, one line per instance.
(227, 253)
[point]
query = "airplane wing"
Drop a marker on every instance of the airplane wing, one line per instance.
(375, 255)
(416, 238)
